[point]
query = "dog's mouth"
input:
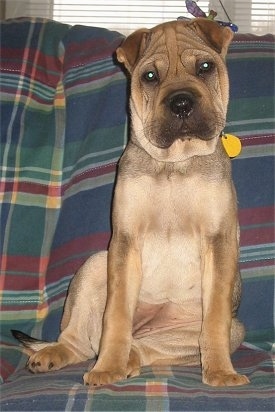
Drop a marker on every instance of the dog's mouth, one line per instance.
(164, 134)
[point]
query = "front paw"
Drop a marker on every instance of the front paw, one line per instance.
(221, 378)
(99, 378)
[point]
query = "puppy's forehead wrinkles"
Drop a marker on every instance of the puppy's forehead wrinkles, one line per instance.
(173, 43)
(164, 42)
(156, 45)
(171, 47)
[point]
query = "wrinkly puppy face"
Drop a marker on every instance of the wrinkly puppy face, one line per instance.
(179, 87)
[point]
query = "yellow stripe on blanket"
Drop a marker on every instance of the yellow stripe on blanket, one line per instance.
(59, 100)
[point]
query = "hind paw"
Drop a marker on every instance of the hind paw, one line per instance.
(48, 359)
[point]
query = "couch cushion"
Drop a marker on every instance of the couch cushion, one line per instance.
(162, 388)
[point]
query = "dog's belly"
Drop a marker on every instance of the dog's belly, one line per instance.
(170, 293)
(150, 318)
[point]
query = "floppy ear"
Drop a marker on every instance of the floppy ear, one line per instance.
(216, 36)
(132, 48)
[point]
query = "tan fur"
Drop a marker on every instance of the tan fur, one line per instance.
(167, 290)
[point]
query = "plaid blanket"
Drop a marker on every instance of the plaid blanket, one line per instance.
(158, 389)
(63, 128)
(251, 65)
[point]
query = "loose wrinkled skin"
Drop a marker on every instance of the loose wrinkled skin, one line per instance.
(168, 289)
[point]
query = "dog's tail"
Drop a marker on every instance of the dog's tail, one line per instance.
(30, 344)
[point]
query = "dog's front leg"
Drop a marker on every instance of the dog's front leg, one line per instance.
(220, 269)
(116, 358)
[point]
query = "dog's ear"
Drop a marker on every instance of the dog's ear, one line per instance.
(132, 48)
(215, 35)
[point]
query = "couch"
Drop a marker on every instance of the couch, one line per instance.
(64, 124)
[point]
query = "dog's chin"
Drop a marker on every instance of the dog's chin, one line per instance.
(181, 149)
(185, 136)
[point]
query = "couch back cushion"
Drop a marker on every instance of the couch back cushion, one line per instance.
(251, 65)
(63, 127)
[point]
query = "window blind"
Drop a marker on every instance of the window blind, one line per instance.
(28, 8)
(251, 16)
(255, 16)
(124, 15)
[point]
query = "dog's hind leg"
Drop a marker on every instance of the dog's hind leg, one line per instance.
(175, 346)
(81, 324)
(178, 346)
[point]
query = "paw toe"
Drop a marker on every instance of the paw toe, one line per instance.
(51, 365)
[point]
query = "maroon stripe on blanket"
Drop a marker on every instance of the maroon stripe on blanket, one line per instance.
(11, 61)
(54, 190)
(97, 241)
(19, 282)
(253, 216)
(256, 264)
(257, 236)
(32, 188)
(6, 368)
(100, 46)
(93, 172)
(18, 265)
(79, 250)
(257, 140)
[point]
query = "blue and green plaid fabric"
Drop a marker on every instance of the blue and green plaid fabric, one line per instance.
(63, 127)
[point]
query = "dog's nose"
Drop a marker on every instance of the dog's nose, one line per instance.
(181, 104)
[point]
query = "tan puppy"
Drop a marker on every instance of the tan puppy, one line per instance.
(167, 290)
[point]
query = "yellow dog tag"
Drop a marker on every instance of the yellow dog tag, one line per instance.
(232, 145)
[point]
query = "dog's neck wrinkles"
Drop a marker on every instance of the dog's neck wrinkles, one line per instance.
(216, 166)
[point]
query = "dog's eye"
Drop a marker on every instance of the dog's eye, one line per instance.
(150, 76)
(205, 67)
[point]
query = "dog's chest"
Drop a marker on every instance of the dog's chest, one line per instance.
(171, 246)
